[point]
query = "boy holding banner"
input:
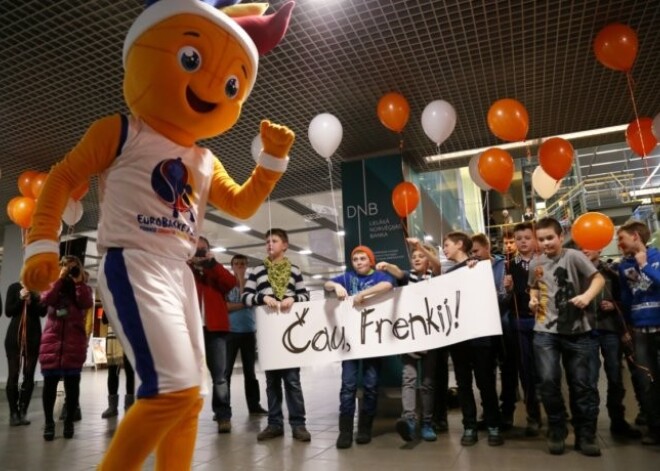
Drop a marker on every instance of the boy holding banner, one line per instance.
(278, 284)
(361, 282)
(476, 358)
(425, 264)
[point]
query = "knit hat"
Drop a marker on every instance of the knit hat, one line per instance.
(366, 250)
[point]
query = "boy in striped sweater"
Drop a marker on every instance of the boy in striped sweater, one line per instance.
(278, 284)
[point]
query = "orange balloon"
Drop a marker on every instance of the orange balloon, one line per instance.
(10, 207)
(25, 182)
(393, 111)
(640, 137)
(405, 198)
(508, 120)
(496, 168)
(556, 157)
(79, 193)
(616, 47)
(593, 231)
(37, 184)
(22, 211)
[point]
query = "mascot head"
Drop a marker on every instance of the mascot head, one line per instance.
(189, 66)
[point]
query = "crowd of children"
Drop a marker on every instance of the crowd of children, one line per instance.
(561, 310)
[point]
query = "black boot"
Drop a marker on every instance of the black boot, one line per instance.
(365, 423)
(111, 411)
(68, 428)
(49, 431)
(24, 402)
(345, 438)
(12, 399)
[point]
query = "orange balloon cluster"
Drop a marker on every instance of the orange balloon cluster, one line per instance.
(616, 47)
(30, 183)
(640, 137)
(496, 167)
(593, 231)
(393, 111)
(405, 198)
(556, 157)
(21, 208)
(508, 120)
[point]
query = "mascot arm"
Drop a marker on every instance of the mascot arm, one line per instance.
(242, 201)
(92, 155)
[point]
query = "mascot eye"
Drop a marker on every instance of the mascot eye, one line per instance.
(190, 59)
(232, 86)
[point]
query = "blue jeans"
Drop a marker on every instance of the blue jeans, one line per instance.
(609, 345)
(528, 376)
(295, 402)
(507, 356)
(349, 384)
(576, 353)
(216, 361)
(246, 343)
(647, 353)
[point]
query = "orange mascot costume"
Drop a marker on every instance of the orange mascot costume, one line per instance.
(189, 67)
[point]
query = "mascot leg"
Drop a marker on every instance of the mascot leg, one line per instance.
(175, 450)
(152, 423)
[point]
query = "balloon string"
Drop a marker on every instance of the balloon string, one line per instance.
(270, 221)
(631, 85)
(401, 146)
(334, 208)
(528, 151)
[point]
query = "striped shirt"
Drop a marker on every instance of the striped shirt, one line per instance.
(257, 287)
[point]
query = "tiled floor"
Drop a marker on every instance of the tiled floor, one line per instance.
(22, 448)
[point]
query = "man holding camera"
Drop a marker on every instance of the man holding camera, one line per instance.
(213, 282)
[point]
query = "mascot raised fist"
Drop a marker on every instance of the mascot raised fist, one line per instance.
(189, 67)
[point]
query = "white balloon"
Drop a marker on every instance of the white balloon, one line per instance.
(439, 120)
(325, 134)
(475, 175)
(256, 147)
(544, 185)
(656, 126)
(73, 212)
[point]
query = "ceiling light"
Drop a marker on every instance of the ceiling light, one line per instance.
(218, 249)
(644, 192)
(241, 228)
(305, 252)
(428, 237)
(540, 205)
(517, 145)
(341, 233)
(317, 277)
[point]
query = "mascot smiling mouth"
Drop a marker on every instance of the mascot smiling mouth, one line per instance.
(197, 104)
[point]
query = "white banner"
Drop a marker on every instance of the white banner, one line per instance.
(448, 309)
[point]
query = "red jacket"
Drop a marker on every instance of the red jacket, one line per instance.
(213, 282)
(64, 341)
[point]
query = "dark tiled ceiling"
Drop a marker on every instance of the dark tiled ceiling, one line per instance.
(61, 70)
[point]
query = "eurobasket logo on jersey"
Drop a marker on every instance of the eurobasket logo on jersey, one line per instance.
(171, 182)
(173, 185)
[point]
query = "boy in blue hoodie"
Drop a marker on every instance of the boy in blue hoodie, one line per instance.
(639, 272)
(361, 282)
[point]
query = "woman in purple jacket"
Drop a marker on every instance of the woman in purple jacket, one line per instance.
(64, 342)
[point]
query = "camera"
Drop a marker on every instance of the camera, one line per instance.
(74, 272)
